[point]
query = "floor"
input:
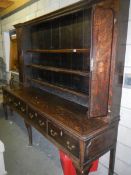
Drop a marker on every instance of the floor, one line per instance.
(20, 159)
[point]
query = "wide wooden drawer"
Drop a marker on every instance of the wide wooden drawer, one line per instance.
(62, 137)
(19, 105)
(8, 98)
(38, 119)
(100, 143)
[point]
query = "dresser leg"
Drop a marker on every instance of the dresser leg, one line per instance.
(112, 160)
(11, 111)
(5, 111)
(29, 130)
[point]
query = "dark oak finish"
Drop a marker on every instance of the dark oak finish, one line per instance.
(101, 55)
(68, 68)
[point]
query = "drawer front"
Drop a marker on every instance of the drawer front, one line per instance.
(100, 143)
(19, 105)
(5, 95)
(14, 102)
(37, 119)
(8, 98)
(68, 142)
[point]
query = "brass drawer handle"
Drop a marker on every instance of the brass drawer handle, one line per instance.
(36, 114)
(37, 100)
(69, 146)
(22, 109)
(41, 123)
(10, 100)
(61, 133)
(31, 115)
(19, 102)
(15, 104)
(53, 133)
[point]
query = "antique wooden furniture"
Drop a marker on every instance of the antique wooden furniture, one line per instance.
(71, 78)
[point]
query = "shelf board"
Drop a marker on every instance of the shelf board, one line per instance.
(60, 70)
(63, 89)
(59, 50)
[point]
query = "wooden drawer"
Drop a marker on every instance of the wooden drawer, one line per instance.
(20, 105)
(14, 102)
(8, 98)
(59, 135)
(5, 94)
(100, 143)
(37, 119)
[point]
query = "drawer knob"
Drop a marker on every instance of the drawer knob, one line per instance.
(69, 146)
(31, 115)
(41, 123)
(53, 133)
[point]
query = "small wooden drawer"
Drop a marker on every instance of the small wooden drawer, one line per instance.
(22, 106)
(5, 95)
(8, 98)
(19, 105)
(68, 142)
(14, 102)
(100, 143)
(37, 119)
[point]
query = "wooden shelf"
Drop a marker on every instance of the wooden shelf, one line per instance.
(60, 70)
(59, 51)
(63, 89)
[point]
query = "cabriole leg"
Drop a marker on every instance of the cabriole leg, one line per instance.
(5, 111)
(29, 130)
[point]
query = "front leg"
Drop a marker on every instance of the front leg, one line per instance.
(112, 160)
(11, 111)
(29, 130)
(5, 111)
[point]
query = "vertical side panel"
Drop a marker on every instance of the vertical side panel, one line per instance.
(102, 37)
(19, 52)
(121, 27)
(23, 43)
